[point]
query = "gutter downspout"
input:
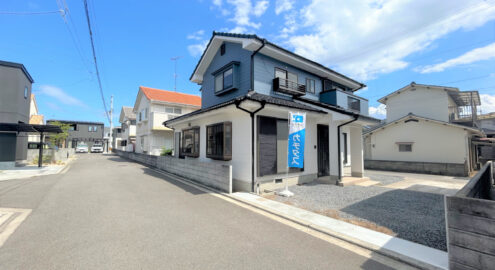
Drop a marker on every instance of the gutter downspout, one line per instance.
(356, 116)
(252, 62)
(251, 114)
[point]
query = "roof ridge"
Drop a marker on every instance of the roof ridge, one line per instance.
(175, 92)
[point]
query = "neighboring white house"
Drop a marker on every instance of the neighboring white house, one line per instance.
(34, 118)
(152, 108)
(428, 129)
(127, 120)
(117, 137)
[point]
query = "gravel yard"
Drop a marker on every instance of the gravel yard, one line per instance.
(411, 215)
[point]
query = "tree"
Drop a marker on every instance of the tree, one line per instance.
(58, 138)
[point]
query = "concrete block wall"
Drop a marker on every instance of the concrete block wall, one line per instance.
(61, 154)
(218, 176)
(451, 169)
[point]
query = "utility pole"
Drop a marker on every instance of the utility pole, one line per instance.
(110, 140)
(175, 59)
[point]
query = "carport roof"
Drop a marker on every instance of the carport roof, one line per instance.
(21, 127)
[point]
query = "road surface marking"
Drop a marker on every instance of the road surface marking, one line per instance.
(10, 219)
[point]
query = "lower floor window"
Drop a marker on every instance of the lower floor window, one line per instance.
(405, 147)
(219, 141)
(273, 136)
(190, 142)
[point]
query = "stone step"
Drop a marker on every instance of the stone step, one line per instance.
(350, 181)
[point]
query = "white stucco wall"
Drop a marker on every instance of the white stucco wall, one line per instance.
(429, 103)
(432, 142)
(241, 139)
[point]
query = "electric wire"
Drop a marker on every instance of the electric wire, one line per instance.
(95, 59)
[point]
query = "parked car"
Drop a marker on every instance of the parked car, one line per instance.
(97, 148)
(82, 148)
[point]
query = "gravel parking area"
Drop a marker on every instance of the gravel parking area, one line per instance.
(411, 215)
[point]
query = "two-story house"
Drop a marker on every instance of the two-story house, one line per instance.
(154, 106)
(81, 132)
(428, 129)
(36, 119)
(127, 121)
(15, 100)
(248, 87)
(117, 137)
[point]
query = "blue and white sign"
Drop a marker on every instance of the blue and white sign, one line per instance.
(297, 134)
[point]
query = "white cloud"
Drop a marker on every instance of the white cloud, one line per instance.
(260, 8)
(243, 11)
(379, 112)
(283, 5)
(60, 95)
(487, 103)
(197, 49)
(367, 38)
(475, 55)
(198, 35)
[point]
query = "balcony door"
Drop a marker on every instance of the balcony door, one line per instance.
(284, 74)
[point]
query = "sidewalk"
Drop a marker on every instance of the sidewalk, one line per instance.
(400, 249)
(31, 171)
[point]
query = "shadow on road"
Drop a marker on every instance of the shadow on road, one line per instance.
(151, 172)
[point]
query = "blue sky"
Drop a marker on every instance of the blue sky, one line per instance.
(385, 44)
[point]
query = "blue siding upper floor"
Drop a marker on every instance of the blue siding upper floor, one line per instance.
(233, 52)
(264, 73)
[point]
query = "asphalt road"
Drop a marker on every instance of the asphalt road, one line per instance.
(108, 213)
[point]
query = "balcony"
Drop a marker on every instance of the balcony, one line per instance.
(288, 87)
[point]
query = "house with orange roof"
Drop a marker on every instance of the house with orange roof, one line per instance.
(36, 119)
(154, 106)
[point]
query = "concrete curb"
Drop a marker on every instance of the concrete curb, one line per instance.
(61, 170)
(394, 254)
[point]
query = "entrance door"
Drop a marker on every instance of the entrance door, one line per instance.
(323, 151)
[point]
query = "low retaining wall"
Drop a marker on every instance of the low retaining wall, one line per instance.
(470, 222)
(214, 175)
(451, 169)
(50, 155)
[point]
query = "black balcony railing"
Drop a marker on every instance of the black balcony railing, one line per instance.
(288, 87)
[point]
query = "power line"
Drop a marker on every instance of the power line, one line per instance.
(74, 37)
(61, 11)
(94, 59)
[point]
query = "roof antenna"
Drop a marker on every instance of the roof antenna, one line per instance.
(175, 59)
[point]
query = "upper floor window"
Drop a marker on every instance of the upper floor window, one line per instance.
(140, 117)
(310, 86)
(353, 104)
(26, 90)
(222, 49)
(284, 74)
(177, 110)
(190, 142)
(225, 78)
(219, 141)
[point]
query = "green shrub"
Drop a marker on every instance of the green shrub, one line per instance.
(166, 152)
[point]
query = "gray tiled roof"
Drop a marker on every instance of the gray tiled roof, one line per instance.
(251, 96)
(129, 113)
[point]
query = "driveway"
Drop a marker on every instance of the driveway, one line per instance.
(108, 213)
(409, 206)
